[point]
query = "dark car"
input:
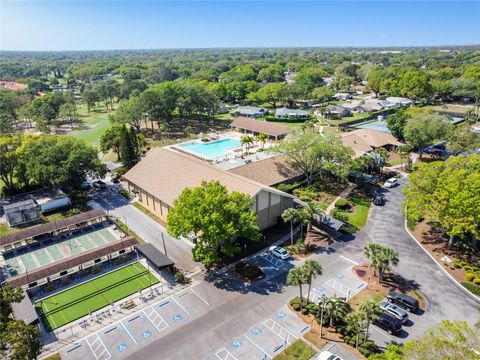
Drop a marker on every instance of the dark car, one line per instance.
(378, 200)
(388, 323)
(116, 179)
(99, 184)
(403, 300)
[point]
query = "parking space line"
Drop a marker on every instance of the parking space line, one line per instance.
(258, 347)
(153, 320)
(186, 312)
(128, 332)
(272, 325)
(228, 356)
(102, 344)
(347, 259)
(200, 297)
(277, 263)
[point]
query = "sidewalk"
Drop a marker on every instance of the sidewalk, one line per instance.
(343, 194)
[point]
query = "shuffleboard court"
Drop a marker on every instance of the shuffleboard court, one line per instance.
(74, 303)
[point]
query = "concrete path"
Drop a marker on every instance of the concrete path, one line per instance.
(343, 194)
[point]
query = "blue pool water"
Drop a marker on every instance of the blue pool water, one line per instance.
(380, 125)
(211, 150)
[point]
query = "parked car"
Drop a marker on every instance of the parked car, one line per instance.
(279, 252)
(390, 183)
(116, 179)
(378, 200)
(403, 300)
(388, 323)
(327, 355)
(99, 184)
(395, 311)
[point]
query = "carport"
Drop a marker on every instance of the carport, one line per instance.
(155, 257)
(329, 224)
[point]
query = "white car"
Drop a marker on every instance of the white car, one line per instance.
(395, 311)
(327, 355)
(392, 182)
(279, 252)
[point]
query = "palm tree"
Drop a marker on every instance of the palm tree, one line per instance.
(246, 140)
(388, 257)
(312, 208)
(296, 276)
(355, 323)
(188, 130)
(381, 258)
(336, 308)
(263, 138)
(371, 310)
(292, 215)
(312, 268)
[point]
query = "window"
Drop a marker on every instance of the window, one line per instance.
(33, 284)
(64, 273)
(96, 261)
(121, 251)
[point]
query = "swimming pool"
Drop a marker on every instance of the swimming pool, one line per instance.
(212, 149)
(380, 125)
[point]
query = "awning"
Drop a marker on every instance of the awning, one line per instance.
(329, 222)
(154, 256)
(24, 310)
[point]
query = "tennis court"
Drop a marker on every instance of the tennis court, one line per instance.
(76, 243)
(74, 303)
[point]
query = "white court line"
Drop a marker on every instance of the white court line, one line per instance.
(181, 306)
(229, 354)
(349, 260)
(200, 297)
(258, 347)
(128, 332)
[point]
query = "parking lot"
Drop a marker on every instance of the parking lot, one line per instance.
(265, 339)
(123, 337)
(344, 284)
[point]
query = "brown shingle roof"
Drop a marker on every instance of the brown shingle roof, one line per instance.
(165, 173)
(271, 171)
(51, 226)
(259, 126)
(366, 140)
(68, 263)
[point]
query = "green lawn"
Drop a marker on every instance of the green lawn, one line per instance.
(299, 350)
(74, 303)
(95, 123)
(358, 217)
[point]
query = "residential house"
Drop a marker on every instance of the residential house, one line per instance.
(286, 113)
(364, 141)
(249, 111)
(336, 111)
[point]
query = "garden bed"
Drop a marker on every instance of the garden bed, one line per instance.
(461, 264)
(378, 290)
(247, 271)
(357, 213)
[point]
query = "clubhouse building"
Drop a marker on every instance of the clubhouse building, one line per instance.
(162, 175)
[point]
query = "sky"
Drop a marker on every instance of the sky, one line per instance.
(105, 25)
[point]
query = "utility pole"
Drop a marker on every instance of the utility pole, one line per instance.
(322, 305)
(164, 246)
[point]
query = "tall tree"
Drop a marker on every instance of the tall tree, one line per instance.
(248, 141)
(316, 155)
(381, 257)
(263, 138)
(336, 309)
(127, 148)
(312, 268)
(292, 216)
(371, 311)
(297, 277)
(311, 209)
(196, 211)
(424, 130)
(356, 322)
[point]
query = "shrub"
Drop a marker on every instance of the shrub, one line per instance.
(466, 267)
(457, 265)
(469, 276)
(306, 194)
(336, 214)
(290, 187)
(305, 311)
(463, 262)
(342, 204)
(476, 281)
(125, 194)
(474, 268)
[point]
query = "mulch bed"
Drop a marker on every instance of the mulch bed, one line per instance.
(376, 289)
(432, 241)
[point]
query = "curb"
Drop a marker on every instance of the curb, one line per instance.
(450, 277)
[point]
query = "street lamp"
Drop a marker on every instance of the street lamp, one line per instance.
(323, 298)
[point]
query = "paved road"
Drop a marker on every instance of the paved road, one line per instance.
(180, 251)
(445, 300)
(236, 307)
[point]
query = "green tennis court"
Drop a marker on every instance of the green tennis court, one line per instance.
(74, 303)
